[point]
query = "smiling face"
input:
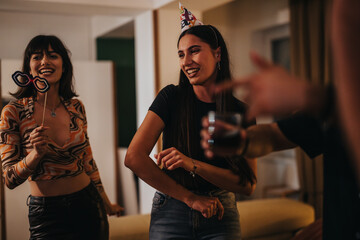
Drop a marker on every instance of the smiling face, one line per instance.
(48, 65)
(197, 60)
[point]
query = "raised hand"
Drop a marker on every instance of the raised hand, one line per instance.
(39, 140)
(270, 91)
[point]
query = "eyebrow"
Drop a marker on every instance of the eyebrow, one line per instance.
(191, 47)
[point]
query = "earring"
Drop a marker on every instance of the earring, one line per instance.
(218, 66)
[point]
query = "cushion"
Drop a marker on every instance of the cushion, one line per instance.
(266, 217)
(132, 227)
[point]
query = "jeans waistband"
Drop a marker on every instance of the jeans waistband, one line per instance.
(210, 193)
(67, 197)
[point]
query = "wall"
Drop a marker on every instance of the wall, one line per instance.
(169, 31)
(238, 21)
(77, 32)
(17, 28)
(145, 87)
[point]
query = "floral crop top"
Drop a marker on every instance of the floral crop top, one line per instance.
(71, 159)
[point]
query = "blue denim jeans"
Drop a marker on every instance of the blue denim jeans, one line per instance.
(80, 215)
(173, 219)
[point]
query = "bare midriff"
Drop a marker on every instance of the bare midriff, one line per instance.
(62, 186)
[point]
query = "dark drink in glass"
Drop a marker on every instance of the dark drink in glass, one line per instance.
(224, 129)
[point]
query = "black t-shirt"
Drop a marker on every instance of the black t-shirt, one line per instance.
(341, 216)
(166, 107)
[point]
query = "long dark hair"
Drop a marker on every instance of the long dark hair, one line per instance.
(225, 102)
(41, 43)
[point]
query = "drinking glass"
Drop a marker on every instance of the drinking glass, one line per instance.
(224, 130)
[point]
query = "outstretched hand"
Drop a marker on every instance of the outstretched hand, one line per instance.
(270, 91)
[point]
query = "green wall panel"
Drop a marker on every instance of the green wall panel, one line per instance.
(121, 52)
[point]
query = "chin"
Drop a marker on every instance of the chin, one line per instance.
(195, 81)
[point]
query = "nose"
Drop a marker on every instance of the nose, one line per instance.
(187, 60)
(44, 59)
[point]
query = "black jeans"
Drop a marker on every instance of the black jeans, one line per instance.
(80, 215)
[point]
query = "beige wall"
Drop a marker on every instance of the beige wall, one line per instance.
(238, 20)
(169, 31)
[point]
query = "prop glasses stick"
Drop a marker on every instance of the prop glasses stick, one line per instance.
(41, 85)
(43, 117)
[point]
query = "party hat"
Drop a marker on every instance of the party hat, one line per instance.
(188, 20)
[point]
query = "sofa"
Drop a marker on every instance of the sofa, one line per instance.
(263, 219)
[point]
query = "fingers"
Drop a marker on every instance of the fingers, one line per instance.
(258, 61)
(39, 131)
(205, 144)
(171, 158)
(119, 210)
(156, 156)
(162, 154)
(115, 210)
(209, 154)
(171, 165)
(168, 159)
(220, 209)
(205, 122)
(38, 139)
(205, 136)
(214, 207)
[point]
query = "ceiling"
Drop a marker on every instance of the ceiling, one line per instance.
(125, 8)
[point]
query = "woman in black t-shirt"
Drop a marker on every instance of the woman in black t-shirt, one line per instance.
(194, 198)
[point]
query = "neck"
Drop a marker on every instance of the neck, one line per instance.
(205, 93)
(53, 98)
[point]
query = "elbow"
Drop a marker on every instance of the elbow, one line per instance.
(10, 185)
(7, 183)
(131, 160)
(128, 160)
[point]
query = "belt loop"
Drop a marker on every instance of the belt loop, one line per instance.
(28, 200)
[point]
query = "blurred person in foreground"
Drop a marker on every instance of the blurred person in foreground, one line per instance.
(328, 124)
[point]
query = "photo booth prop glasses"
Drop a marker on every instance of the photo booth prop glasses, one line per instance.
(22, 80)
